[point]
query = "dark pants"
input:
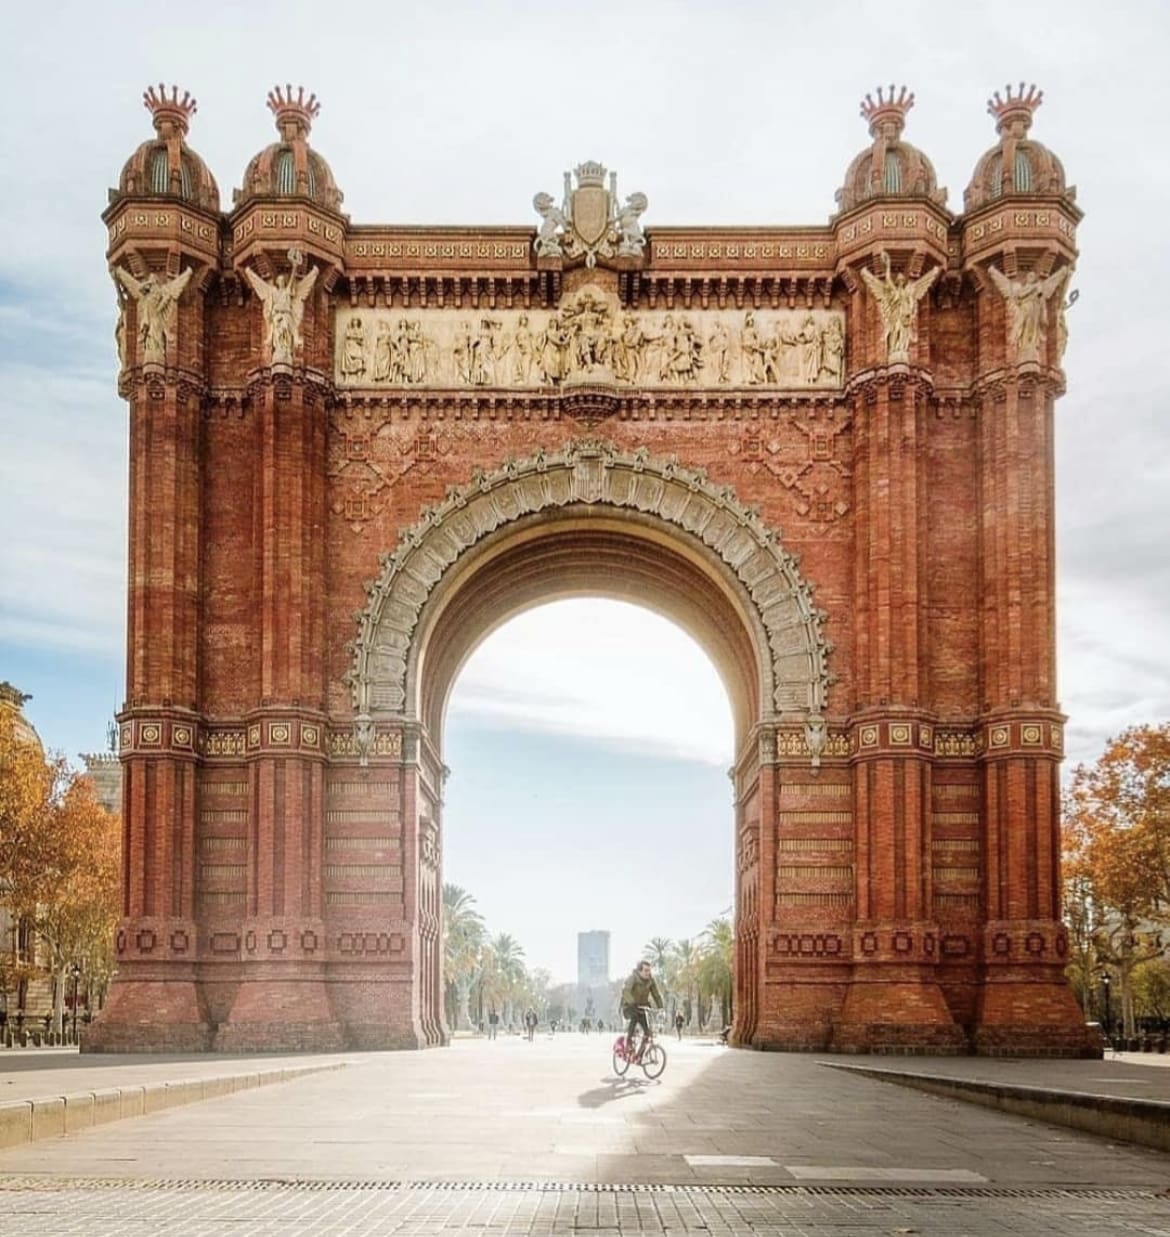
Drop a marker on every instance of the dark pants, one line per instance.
(637, 1017)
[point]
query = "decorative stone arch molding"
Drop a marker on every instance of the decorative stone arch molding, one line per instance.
(795, 674)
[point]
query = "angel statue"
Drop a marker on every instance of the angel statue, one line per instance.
(1027, 302)
(284, 308)
(897, 302)
(633, 242)
(156, 303)
(548, 243)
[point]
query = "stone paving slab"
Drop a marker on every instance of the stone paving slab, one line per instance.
(553, 1111)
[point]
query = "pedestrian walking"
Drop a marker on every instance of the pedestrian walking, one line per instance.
(679, 1022)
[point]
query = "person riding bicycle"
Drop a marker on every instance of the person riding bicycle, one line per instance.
(639, 990)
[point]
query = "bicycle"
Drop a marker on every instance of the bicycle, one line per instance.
(645, 1051)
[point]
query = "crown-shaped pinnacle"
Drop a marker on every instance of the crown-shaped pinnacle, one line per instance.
(169, 108)
(887, 107)
(286, 106)
(1017, 106)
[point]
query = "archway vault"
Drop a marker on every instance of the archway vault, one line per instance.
(590, 518)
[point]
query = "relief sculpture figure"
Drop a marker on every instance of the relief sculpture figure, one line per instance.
(284, 310)
(755, 352)
(682, 351)
(719, 350)
(833, 351)
(588, 323)
(897, 301)
(808, 341)
(627, 351)
(156, 303)
(353, 349)
(553, 347)
(418, 349)
(384, 353)
(1027, 302)
(523, 352)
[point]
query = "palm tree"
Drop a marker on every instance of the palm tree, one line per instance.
(716, 968)
(463, 938)
(686, 970)
(503, 974)
(658, 951)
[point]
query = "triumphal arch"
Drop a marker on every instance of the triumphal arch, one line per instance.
(826, 451)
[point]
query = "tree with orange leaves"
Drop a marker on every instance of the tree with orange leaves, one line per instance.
(1117, 836)
(59, 860)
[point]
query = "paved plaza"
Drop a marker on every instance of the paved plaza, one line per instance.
(511, 1137)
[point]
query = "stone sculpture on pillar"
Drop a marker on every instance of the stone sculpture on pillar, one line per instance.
(156, 310)
(1027, 302)
(284, 308)
(897, 302)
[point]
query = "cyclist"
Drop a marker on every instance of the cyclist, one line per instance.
(639, 990)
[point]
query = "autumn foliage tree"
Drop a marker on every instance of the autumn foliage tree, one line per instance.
(1117, 860)
(59, 861)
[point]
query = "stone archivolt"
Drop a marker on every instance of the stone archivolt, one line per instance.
(593, 473)
(589, 338)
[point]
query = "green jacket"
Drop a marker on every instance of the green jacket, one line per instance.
(639, 991)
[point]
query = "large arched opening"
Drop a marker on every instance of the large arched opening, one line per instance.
(589, 522)
(587, 821)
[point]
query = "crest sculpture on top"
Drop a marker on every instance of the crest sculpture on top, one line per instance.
(590, 222)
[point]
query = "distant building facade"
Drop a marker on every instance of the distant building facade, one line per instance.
(593, 973)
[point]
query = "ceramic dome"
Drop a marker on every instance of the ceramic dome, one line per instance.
(290, 168)
(166, 167)
(1017, 166)
(890, 167)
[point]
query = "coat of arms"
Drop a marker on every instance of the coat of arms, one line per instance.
(590, 222)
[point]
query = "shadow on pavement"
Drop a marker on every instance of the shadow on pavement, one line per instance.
(614, 1089)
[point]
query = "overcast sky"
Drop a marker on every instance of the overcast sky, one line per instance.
(458, 113)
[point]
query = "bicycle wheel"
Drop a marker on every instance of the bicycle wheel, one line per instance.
(653, 1059)
(621, 1061)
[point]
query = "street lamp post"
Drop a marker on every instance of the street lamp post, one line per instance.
(1105, 983)
(75, 971)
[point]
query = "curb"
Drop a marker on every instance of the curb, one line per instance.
(26, 1121)
(1145, 1122)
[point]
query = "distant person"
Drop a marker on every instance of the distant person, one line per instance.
(679, 1023)
(530, 1021)
(639, 991)
(493, 1024)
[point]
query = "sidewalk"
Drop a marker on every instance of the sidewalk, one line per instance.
(48, 1092)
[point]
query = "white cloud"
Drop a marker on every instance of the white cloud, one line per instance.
(623, 675)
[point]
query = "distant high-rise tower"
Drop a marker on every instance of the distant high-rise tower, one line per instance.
(593, 973)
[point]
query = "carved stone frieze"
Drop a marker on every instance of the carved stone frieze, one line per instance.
(587, 338)
(796, 672)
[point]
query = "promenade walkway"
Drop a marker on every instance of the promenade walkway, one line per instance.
(511, 1137)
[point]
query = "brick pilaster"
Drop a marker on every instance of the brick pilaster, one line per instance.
(1024, 1000)
(894, 998)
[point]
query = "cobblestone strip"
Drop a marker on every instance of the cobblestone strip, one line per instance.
(30, 1208)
